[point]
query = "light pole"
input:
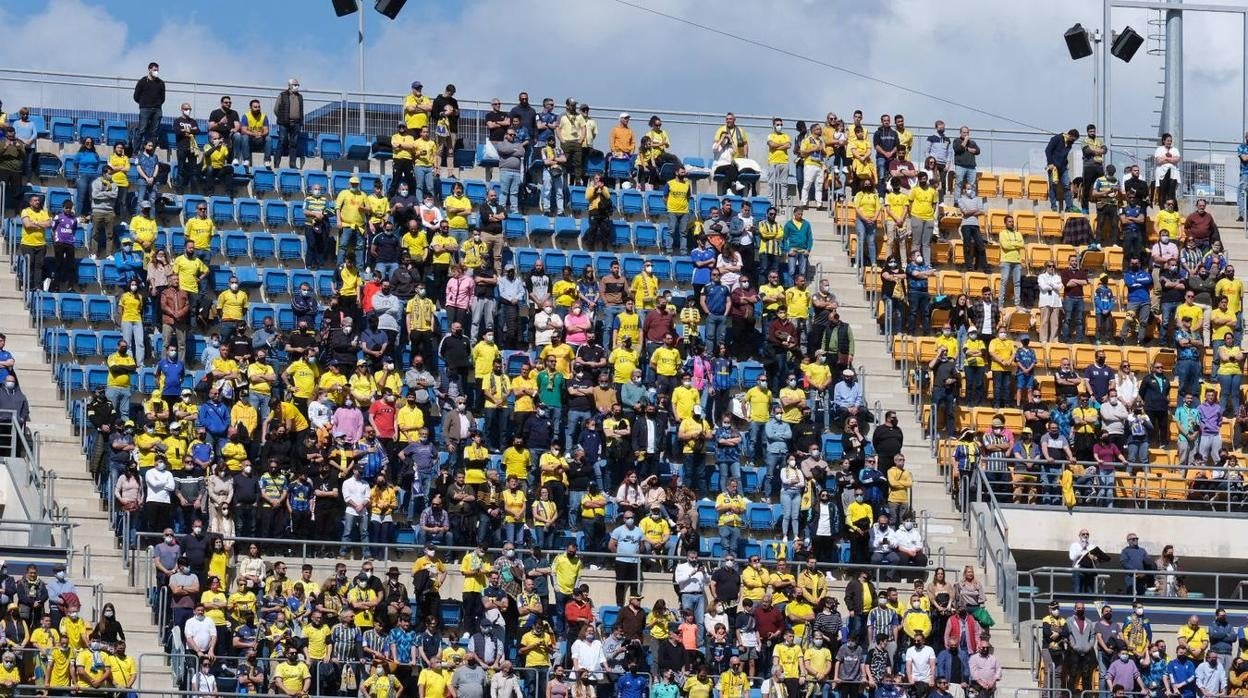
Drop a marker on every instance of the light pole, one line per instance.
(388, 8)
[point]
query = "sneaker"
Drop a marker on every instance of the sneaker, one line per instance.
(47, 284)
(94, 258)
(236, 162)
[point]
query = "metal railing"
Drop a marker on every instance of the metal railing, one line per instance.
(343, 112)
(1215, 588)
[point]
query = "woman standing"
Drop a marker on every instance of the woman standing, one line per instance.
(940, 594)
(1166, 176)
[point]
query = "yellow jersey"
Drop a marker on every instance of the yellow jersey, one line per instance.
(678, 196)
(189, 270)
(33, 235)
(416, 120)
(778, 145)
(351, 206)
(923, 202)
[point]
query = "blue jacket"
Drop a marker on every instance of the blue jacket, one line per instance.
(1138, 283)
(214, 417)
(1057, 151)
(1183, 672)
(632, 685)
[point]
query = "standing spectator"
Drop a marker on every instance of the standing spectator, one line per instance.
(445, 114)
(1166, 173)
(149, 94)
(36, 220)
(27, 134)
(1012, 243)
(1057, 156)
(289, 112)
(965, 151)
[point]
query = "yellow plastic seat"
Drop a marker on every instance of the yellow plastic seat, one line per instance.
(1038, 254)
(950, 283)
(995, 218)
(987, 185)
(1037, 188)
(1050, 226)
(1012, 186)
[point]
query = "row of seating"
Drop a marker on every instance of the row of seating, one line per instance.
(980, 419)
(1042, 225)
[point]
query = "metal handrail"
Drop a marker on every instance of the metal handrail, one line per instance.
(1226, 585)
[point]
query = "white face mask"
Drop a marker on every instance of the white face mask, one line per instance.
(155, 73)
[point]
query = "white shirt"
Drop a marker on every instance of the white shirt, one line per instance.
(1050, 284)
(589, 655)
(354, 492)
(159, 484)
(1078, 549)
(825, 520)
(690, 579)
(878, 536)
(920, 662)
(1128, 387)
(201, 630)
(319, 414)
(710, 620)
(1160, 173)
(546, 324)
(907, 539)
(989, 312)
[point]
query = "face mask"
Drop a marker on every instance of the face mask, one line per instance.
(169, 539)
(1139, 612)
(778, 128)
(916, 605)
(234, 287)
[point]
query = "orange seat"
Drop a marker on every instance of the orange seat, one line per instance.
(1037, 188)
(1012, 186)
(1058, 351)
(1113, 259)
(1113, 356)
(1013, 418)
(976, 281)
(1166, 357)
(950, 220)
(1019, 322)
(995, 219)
(845, 214)
(1038, 255)
(950, 283)
(1027, 222)
(1050, 226)
(987, 185)
(992, 253)
(1063, 253)
(925, 349)
(940, 253)
(1138, 358)
(1085, 355)
(1047, 385)
(871, 280)
(1093, 261)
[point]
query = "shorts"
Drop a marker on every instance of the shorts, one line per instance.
(748, 654)
(1025, 381)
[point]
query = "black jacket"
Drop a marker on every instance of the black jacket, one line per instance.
(1156, 397)
(854, 596)
(888, 441)
(149, 92)
(289, 108)
(838, 517)
(455, 351)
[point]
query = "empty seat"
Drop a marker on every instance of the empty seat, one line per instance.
(515, 227)
(567, 227)
(116, 131)
(579, 260)
(289, 181)
(656, 203)
(276, 213)
(290, 246)
(475, 190)
(236, 244)
(263, 180)
(554, 260)
(630, 202)
(622, 232)
(329, 146)
(704, 204)
(631, 265)
(297, 218)
(357, 147)
(526, 259)
(275, 282)
(61, 130)
(662, 266)
(90, 128)
(316, 178)
(263, 246)
(84, 343)
(541, 225)
(221, 208)
(247, 211)
(576, 199)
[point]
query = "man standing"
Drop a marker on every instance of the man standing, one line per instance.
(964, 152)
(1093, 163)
(625, 544)
(289, 112)
(1057, 156)
(149, 94)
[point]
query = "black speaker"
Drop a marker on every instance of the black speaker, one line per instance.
(1078, 42)
(1126, 44)
(342, 8)
(390, 8)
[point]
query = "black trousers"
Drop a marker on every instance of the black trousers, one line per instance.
(626, 581)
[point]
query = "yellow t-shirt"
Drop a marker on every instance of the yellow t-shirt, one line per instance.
(1001, 348)
(188, 269)
(419, 119)
(1193, 311)
(457, 221)
(819, 659)
(514, 503)
(789, 658)
(474, 570)
(1233, 290)
(678, 196)
(291, 676)
(303, 376)
(759, 401)
(130, 306)
(143, 233)
(1168, 221)
(120, 380)
(645, 291)
(666, 361)
(683, 401)
(654, 530)
(199, 231)
(697, 688)
(779, 141)
(868, 204)
(378, 207)
(121, 169)
(629, 326)
(351, 206)
(923, 202)
(232, 304)
(896, 203)
(93, 664)
(416, 244)
(730, 518)
(58, 666)
(445, 243)
(124, 669)
(528, 384)
(424, 150)
(33, 236)
(623, 361)
(733, 684)
(351, 282)
(387, 685)
(400, 145)
(797, 302)
(793, 413)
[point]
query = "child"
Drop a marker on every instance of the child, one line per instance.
(747, 636)
(718, 651)
(688, 633)
(690, 320)
(64, 272)
(1024, 370)
(1103, 303)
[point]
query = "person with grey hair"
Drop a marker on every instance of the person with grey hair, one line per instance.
(289, 112)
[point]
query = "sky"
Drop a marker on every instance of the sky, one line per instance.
(1006, 59)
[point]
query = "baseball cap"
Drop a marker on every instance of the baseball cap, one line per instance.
(624, 115)
(416, 85)
(353, 180)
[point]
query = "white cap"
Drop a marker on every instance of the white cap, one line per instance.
(624, 115)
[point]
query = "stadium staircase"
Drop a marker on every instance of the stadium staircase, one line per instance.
(61, 453)
(949, 543)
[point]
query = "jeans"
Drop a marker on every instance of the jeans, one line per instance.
(510, 194)
(424, 183)
(1241, 193)
(1229, 393)
(1105, 487)
(82, 187)
(514, 533)
(920, 306)
(756, 441)
(549, 182)
(349, 238)
(1167, 316)
(240, 148)
(1011, 275)
(965, 174)
(149, 125)
(1074, 322)
(867, 251)
(730, 537)
(1143, 311)
(147, 192)
(120, 399)
(575, 418)
(1188, 372)
(728, 470)
(288, 143)
(609, 314)
(260, 401)
(716, 328)
(1001, 388)
(1064, 182)
(385, 268)
(798, 264)
(354, 529)
(1137, 450)
(881, 175)
(921, 233)
(975, 384)
(677, 230)
(944, 402)
(133, 333)
(790, 505)
(974, 249)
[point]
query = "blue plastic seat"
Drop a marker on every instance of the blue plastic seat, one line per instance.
(759, 206)
(554, 260)
(58, 196)
(290, 246)
(257, 312)
(109, 274)
(286, 319)
(482, 160)
(609, 615)
(357, 146)
(620, 168)
(61, 130)
(109, 340)
(526, 258)
(707, 516)
(630, 202)
(662, 266)
(576, 199)
(567, 227)
(72, 377)
(275, 282)
(595, 163)
(190, 202)
(263, 246)
(221, 276)
(236, 244)
(298, 277)
(340, 180)
(95, 377)
(579, 260)
(704, 204)
(297, 218)
(682, 270)
(446, 185)
(329, 146)
(541, 225)
(833, 448)
(221, 208)
(751, 480)
(324, 283)
(90, 128)
(656, 203)
(289, 181)
(248, 211)
(314, 178)
(248, 277)
(49, 165)
(70, 307)
(645, 235)
(696, 162)
(515, 227)
(475, 190)
(263, 180)
(276, 213)
(631, 264)
(750, 371)
(367, 180)
(116, 131)
(88, 272)
(147, 380)
(69, 168)
(56, 341)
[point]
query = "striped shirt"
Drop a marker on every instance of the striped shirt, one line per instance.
(344, 643)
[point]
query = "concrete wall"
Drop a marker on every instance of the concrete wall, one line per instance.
(1193, 534)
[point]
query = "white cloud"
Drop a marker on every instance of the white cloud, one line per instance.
(1006, 59)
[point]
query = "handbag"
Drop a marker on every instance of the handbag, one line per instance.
(488, 151)
(983, 617)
